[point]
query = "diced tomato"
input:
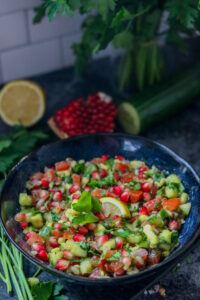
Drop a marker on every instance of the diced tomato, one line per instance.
(122, 167)
(34, 238)
(126, 178)
(154, 257)
(67, 235)
(76, 179)
(119, 157)
(105, 157)
(119, 273)
(115, 266)
(62, 166)
(153, 204)
(97, 160)
(50, 174)
(97, 193)
(56, 233)
(135, 196)
(37, 176)
(171, 204)
(116, 176)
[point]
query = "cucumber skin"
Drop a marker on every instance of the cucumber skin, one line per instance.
(178, 92)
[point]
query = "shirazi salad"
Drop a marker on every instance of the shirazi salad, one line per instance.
(107, 217)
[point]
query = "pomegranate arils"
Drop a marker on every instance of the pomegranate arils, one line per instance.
(94, 115)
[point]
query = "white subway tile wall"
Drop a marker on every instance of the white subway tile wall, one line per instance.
(27, 49)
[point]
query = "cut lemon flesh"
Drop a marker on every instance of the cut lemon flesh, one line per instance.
(22, 102)
(114, 207)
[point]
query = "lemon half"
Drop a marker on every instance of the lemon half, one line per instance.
(114, 207)
(21, 102)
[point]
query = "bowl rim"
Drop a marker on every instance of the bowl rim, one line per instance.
(117, 280)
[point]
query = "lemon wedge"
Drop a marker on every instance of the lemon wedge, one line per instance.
(114, 207)
(21, 102)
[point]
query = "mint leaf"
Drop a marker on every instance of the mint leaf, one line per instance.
(55, 217)
(109, 162)
(108, 180)
(122, 233)
(79, 168)
(84, 203)
(57, 289)
(83, 245)
(115, 256)
(96, 205)
(4, 143)
(45, 231)
(89, 170)
(42, 290)
(85, 218)
(135, 186)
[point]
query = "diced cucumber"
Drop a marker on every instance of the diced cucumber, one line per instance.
(64, 173)
(166, 236)
(184, 198)
(135, 164)
(156, 220)
(144, 244)
(185, 208)
(25, 200)
(161, 182)
(171, 192)
(86, 267)
(54, 257)
(37, 221)
(164, 246)
(142, 218)
(163, 213)
(111, 244)
(173, 178)
(48, 217)
(78, 251)
(68, 245)
(99, 230)
(166, 253)
(75, 269)
(134, 238)
(151, 236)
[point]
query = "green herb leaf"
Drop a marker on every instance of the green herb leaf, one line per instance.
(4, 143)
(61, 297)
(83, 245)
(45, 231)
(57, 289)
(124, 233)
(115, 256)
(108, 180)
(55, 217)
(109, 162)
(84, 203)
(79, 168)
(96, 205)
(135, 186)
(67, 179)
(89, 170)
(85, 218)
(42, 290)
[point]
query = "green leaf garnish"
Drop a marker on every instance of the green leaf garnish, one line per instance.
(106, 181)
(135, 186)
(85, 218)
(96, 205)
(42, 290)
(84, 203)
(115, 256)
(79, 168)
(124, 233)
(55, 217)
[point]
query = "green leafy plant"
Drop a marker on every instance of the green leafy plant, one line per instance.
(131, 25)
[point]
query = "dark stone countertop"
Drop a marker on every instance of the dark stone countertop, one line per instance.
(181, 133)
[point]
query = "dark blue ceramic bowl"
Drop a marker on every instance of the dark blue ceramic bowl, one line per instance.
(87, 147)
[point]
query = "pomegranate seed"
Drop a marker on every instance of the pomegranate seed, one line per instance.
(53, 242)
(78, 237)
(117, 221)
(23, 224)
(143, 169)
(119, 157)
(19, 217)
(28, 235)
(76, 196)
(43, 255)
(45, 183)
(73, 189)
(146, 196)
(37, 247)
(142, 176)
(67, 254)
(146, 186)
(143, 211)
(124, 197)
(82, 230)
(102, 239)
(118, 190)
(87, 188)
(58, 226)
(57, 196)
(103, 173)
(105, 157)
(100, 215)
(91, 226)
(119, 243)
(173, 225)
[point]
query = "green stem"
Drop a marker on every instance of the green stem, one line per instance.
(5, 269)
(39, 270)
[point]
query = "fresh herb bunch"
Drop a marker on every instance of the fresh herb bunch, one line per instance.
(131, 25)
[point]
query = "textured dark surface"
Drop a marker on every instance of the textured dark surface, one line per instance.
(181, 133)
